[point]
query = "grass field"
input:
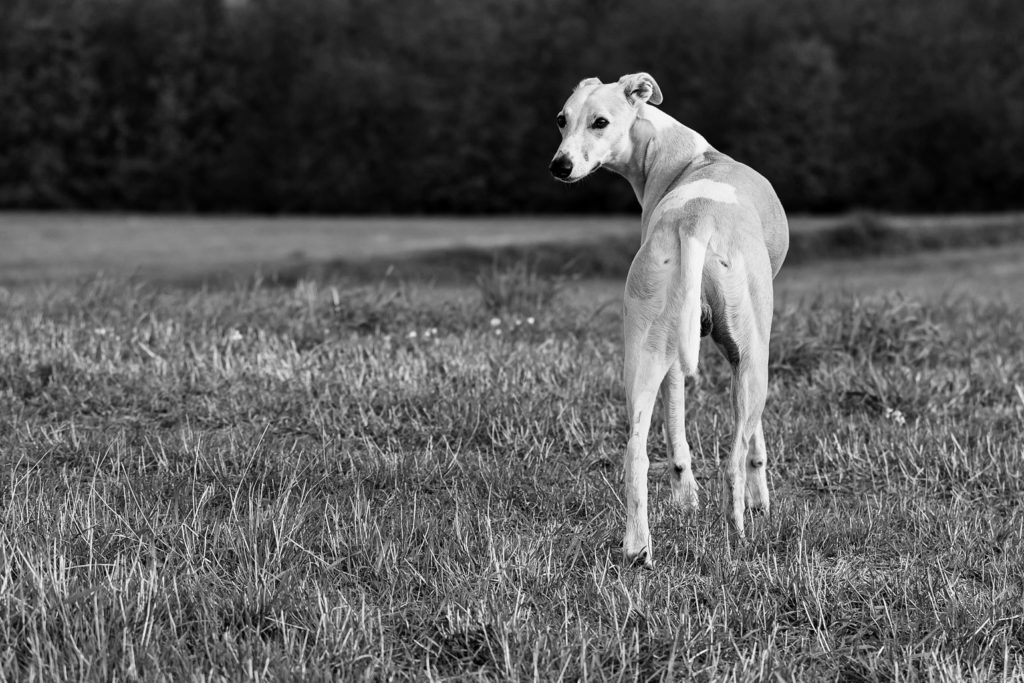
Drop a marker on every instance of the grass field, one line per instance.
(327, 478)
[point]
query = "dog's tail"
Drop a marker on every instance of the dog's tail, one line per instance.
(693, 246)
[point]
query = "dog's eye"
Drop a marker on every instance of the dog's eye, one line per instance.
(599, 122)
(560, 120)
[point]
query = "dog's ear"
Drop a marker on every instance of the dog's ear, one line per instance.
(640, 87)
(587, 81)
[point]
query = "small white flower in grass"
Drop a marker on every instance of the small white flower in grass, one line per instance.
(411, 335)
(234, 335)
(495, 322)
(101, 331)
(896, 416)
(531, 320)
(497, 332)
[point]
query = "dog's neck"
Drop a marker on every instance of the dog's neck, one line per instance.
(663, 151)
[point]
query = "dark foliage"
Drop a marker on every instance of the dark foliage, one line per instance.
(360, 106)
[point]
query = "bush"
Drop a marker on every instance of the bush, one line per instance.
(516, 288)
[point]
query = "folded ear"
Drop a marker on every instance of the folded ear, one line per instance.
(640, 87)
(587, 81)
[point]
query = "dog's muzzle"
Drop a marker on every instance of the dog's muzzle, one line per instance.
(561, 167)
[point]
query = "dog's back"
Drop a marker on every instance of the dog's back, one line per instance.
(753, 191)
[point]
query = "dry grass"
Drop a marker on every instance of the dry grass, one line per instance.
(282, 482)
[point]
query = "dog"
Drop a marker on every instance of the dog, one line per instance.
(714, 235)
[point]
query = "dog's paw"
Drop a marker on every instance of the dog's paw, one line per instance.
(756, 497)
(684, 495)
(641, 559)
(636, 551)
(758, 509)
(684, 487)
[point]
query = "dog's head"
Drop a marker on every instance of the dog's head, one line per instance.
(595, 122)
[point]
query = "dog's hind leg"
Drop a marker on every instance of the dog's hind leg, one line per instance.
(749, 390)
(742, 334)
(650, 320)
(644, 372)
(757, 477)
(684, 486)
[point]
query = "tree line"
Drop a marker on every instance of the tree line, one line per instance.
(448, 106)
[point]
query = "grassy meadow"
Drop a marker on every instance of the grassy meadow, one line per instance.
(329, 476)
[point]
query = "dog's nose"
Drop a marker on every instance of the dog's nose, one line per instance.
(561, 167)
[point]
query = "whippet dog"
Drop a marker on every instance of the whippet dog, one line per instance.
(714, 236)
